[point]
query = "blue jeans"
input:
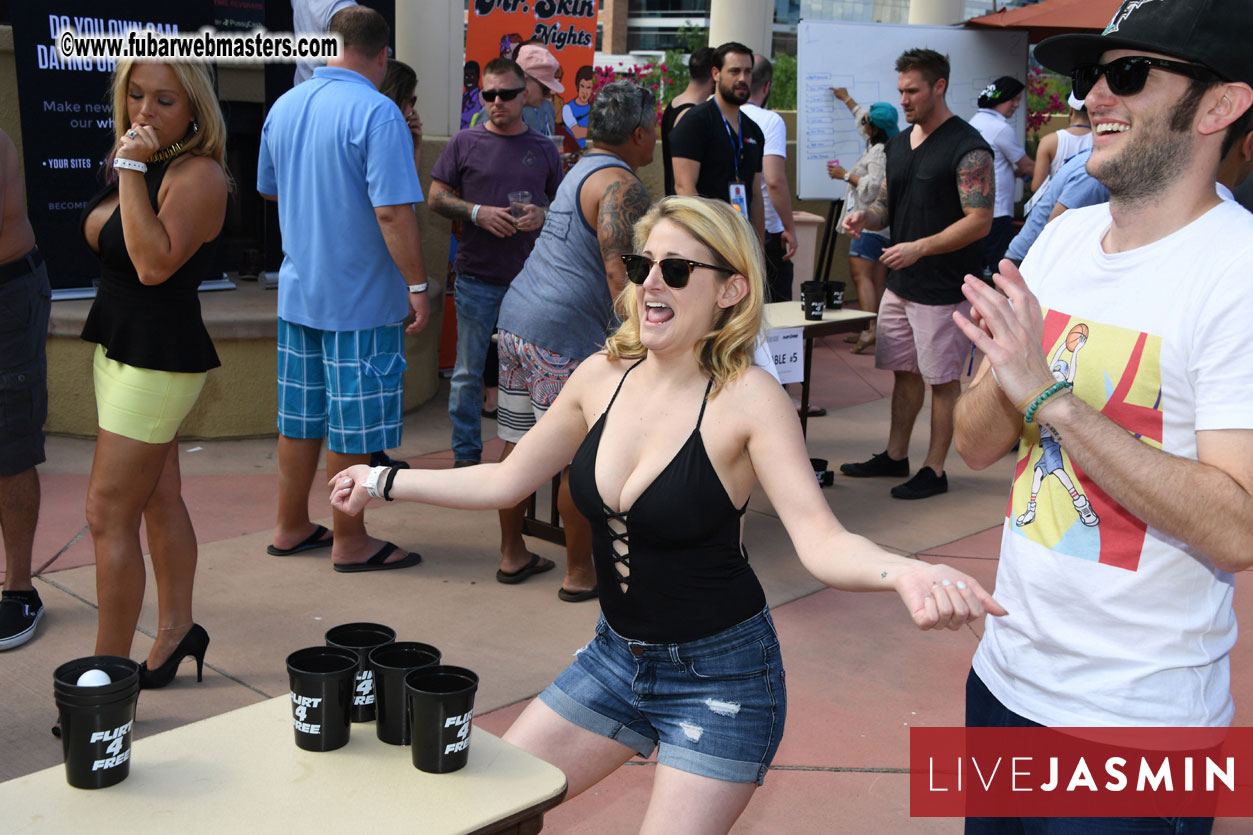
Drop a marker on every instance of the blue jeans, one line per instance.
(478, 306)
(984, 710)
(714, 706)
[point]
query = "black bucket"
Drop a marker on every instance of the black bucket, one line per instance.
(321, 696)
(391, 663)
(441, 705)
(97, 723)
(361, 638)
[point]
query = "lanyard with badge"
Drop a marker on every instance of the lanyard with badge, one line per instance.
(737, 192)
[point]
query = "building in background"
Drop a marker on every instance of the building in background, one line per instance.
(655, 25)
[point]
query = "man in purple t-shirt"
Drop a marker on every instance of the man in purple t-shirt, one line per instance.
(485, 164)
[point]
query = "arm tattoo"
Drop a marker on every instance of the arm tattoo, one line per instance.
(976, 185)
(451, 206)
(624, 203)
(1057, 436)
(884, 575)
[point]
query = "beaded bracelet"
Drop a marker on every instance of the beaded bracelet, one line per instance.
(1039, 400)
(1021, 405)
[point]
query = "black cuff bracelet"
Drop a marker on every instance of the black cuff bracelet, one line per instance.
(387, 485)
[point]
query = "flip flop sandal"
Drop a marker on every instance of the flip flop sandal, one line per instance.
(577, 596)
(379, 562)
(537, 565)
(309, 543)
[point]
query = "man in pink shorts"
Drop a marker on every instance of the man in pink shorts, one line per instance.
(938, 201)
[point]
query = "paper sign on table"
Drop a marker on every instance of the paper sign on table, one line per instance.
(787, 349)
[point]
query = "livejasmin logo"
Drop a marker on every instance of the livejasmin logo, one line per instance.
(116, 739)
(462, 723)
(1080, 772)
(301, 713)
(365, 689)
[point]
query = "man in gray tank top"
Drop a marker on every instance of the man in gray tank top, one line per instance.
(560, 308)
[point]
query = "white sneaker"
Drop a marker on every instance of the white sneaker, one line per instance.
(1028, 517)
(1086, 514)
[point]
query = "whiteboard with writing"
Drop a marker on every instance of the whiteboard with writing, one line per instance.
(862, 57)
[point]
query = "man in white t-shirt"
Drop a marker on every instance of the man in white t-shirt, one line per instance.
(1120, 588)
(776, 193)
(997, 104)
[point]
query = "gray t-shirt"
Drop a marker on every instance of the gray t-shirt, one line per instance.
(560, 300)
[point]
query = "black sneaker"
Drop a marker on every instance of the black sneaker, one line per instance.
(382, 459)
(880, 464)
(20, 612)
(925, 483)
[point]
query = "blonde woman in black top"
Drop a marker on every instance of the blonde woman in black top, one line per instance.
(669, 430)
(151, 226)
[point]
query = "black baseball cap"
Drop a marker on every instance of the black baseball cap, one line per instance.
(1214, 33)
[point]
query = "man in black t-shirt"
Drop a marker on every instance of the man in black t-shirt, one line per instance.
(715, 151)
(700, 86)
(938, 200)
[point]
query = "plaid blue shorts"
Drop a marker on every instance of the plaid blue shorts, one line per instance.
(344, 386)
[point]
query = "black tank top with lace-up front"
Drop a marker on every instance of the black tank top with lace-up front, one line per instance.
(671, 568)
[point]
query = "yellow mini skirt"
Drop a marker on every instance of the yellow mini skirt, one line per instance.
(141, 403)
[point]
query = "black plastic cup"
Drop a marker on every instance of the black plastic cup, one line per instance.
(391, 663)
(97, 723)
(441, 705)
(361, 638)
(321, 696)
(813, 299)
(835, 294)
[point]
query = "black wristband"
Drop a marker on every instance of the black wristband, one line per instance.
(387, 485)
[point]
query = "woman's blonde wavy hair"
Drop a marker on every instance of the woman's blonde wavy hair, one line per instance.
(197, 81)
(726, 351)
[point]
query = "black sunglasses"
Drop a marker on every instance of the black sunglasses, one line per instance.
(504, 95)
(674, 271)
(1126, 76)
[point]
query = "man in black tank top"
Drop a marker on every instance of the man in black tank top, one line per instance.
(938, 201)
(700, 86)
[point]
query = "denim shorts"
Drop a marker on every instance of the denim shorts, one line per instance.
(344, 386)
(869, 246)
(714, 706)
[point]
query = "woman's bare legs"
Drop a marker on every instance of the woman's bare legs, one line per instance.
(124, 475)
(680, 802)
(172, 548)
(870, 277)
(586, 758)
(692, 804)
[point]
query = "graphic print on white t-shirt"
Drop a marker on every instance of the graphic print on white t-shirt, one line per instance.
(1118, 372)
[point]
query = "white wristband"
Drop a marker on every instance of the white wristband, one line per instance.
(848, 174)
(418, 288)
(130, 165)
(372, 482)
(474, 213)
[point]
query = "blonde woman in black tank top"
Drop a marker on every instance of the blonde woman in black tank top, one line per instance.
(152, 227)
(664, 476)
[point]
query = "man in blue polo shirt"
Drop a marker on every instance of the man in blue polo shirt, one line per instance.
(1071, 188)
(338, 157)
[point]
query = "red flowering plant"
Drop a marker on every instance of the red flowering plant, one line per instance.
(666, 78)
(1046, 96)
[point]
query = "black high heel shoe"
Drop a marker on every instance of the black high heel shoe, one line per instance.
(194, 643)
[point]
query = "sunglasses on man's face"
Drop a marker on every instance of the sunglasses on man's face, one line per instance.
(674, 271)
(1127, 76)
(504, 95)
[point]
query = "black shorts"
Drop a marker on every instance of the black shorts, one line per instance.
(25, 304)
